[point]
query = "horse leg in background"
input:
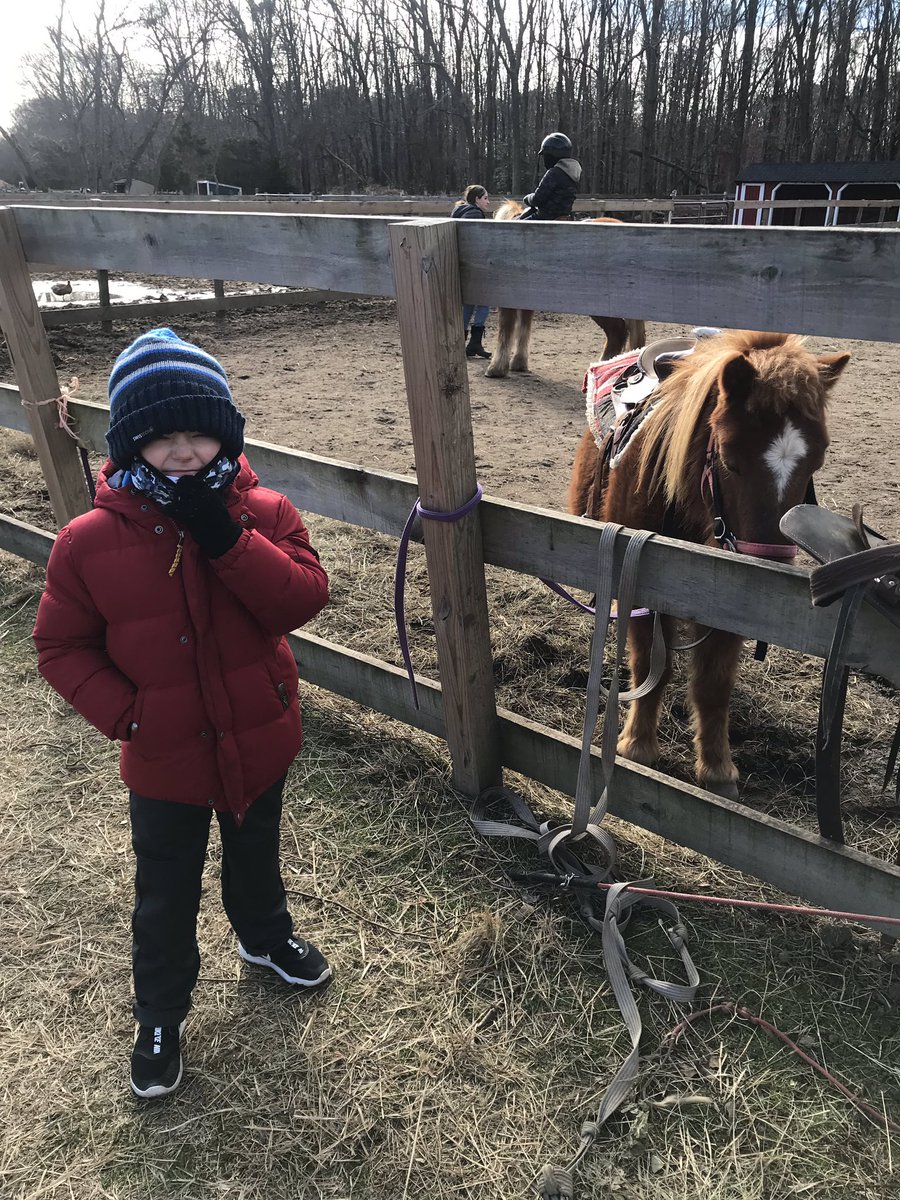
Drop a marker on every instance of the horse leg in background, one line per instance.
(638, 740)
(616, 331)
(523, 340)
(637, 334)
(620, 335)
(498, 367)
(713, 672)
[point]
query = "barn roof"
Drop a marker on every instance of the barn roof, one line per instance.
(833, 172)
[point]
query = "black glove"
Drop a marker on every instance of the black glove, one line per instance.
(204, 515)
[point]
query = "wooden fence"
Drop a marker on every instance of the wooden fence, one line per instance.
(829, 281)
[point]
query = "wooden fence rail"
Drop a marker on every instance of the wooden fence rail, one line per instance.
(789, 858)
(805, 280)
(825, 281)
(767, 602)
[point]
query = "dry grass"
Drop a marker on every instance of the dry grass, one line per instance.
(469, 1030)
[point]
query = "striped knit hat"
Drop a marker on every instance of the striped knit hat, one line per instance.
(161, 384)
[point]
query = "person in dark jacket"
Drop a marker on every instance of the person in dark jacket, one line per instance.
(475, 205)
(554, 196)
(163, 623)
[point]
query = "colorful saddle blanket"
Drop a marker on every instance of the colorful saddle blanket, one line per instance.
(615, 391)
(599, 380)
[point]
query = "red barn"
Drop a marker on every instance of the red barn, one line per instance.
(828, 182)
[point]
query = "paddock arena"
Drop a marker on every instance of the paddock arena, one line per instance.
(469, 1030)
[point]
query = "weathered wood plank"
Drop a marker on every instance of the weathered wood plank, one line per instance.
(796, 862)
(103, 293)
(20, 320)
(378, 206)
(843, 281)
(340, 254)
(27, 541)
(429, 312)
(88, 314)
(687, 581)
(369, 681)
(800, 863)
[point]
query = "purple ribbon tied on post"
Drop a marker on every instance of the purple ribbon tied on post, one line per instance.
(427, 514)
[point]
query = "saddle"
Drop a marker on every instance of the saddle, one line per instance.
(858, 566)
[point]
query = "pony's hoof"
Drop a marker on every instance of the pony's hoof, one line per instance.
(519, 366)
(725, 788)
(495, 372)
(645, 753)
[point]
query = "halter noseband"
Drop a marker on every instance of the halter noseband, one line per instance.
(709, 482)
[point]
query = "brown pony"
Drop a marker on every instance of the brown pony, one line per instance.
(514, 332)
(732, 439)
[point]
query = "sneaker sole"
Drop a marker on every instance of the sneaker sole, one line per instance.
(267, 962)
(158, 1089)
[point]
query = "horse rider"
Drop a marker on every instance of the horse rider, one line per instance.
(554, 196)
(475, 205)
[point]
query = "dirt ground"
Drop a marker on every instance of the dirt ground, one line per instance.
(470, 1026)
(330, 380)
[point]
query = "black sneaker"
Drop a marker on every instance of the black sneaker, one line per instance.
(296, 961)
(156, 1062)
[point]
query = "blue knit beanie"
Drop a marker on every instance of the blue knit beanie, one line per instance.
(161, 384)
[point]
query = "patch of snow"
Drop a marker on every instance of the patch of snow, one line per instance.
(87, 292)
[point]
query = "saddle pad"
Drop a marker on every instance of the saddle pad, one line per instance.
(597, 388)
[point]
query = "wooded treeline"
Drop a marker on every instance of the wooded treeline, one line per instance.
(427, 95)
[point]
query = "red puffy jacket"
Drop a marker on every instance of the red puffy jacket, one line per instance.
(188, 667)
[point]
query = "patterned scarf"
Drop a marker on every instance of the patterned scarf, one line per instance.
(161, 489)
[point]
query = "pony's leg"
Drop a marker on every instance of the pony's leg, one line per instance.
(713, 672)
(581, 484)
(498, 367)
(523, 340)
(638, 740)
(637, 334)
(616, 331)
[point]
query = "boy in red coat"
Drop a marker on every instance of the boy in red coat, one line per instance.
(163, 624)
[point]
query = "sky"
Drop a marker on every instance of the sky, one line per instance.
(24, 26)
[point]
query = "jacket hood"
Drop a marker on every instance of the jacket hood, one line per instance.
(572, 168)
(465, 210)
(123, 499)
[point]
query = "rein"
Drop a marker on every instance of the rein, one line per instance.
(709, 485)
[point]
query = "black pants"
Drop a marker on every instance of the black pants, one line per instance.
(169, 842)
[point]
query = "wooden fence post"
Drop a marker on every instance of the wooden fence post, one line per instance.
(429, 310)
(20, 320)
(103, 290)
(219, 293)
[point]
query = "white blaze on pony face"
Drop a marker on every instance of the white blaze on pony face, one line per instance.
(782, 457)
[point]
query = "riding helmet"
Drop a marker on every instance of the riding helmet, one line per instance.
(556, 146)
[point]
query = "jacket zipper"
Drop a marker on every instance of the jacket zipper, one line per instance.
(177, 559)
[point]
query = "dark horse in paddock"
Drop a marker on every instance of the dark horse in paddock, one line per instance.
(738, 427)
(514, 324)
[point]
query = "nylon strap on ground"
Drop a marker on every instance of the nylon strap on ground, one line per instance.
(556, 1182)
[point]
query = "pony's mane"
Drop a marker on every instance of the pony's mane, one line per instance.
(787, 380)
(508, 210)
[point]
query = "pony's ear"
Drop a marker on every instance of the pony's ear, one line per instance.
(736, 379)
(830, 367)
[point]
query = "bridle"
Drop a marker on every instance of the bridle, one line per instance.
(710, 488)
